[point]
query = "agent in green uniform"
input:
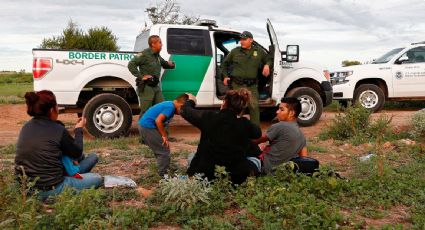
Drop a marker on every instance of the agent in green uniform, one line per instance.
(146, 67)
(242, 66)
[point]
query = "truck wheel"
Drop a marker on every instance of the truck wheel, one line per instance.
(108, 116)
(311, 105)
(370, 97)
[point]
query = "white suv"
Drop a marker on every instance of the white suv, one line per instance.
(398, 75)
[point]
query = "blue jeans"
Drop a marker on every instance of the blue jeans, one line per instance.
(87, 162)
(90, 180)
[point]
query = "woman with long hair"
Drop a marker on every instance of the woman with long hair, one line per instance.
(225, 137)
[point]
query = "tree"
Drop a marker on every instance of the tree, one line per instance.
(73, 37)
(168, 12)
(350, 63)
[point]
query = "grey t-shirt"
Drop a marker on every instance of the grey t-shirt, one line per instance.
(286, 141)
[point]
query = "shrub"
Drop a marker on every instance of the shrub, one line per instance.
(347, 125)
(184, 193)
(418, 124)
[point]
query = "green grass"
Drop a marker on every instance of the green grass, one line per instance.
(14, 86)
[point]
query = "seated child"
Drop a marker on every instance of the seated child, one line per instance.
(285, 137)
(76, 167)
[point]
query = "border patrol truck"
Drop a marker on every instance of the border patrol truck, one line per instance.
(99, 86)
(398, 75)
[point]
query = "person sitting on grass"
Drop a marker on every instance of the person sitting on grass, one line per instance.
(287, 142)
(41, 144)
(152, 128)
(225, 138)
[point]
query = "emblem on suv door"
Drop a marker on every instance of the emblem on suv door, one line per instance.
(398, 75)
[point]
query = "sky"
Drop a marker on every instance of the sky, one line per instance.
(328, 31)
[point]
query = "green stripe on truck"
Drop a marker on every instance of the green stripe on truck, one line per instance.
(186, 77)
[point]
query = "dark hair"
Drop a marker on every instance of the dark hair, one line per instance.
(237, 100)
(293, 103)
(39, 103)
(151, 39)
(182, 98)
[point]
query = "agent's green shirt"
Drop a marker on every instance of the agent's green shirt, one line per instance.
(147, 63)
(245, 63)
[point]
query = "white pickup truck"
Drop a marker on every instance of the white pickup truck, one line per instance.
(398, 75)
(99, 86)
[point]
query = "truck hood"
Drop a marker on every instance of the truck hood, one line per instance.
(361, 68)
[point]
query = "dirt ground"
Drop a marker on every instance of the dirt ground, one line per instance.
(12, 117)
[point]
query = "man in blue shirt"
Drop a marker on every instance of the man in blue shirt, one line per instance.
(152, 127)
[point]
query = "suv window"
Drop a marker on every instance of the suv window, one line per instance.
(189, 42)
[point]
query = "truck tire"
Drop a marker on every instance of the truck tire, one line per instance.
(370, 97)
(108, 116)
(311, 105)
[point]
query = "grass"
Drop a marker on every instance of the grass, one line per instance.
(283, 201)
(14, 86)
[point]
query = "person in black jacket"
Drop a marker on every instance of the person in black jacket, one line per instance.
(41, 144)
(225, 137)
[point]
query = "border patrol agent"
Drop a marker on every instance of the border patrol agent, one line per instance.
(242, 66)
(146, 67)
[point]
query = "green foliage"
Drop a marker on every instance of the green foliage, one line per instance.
(183, 193)
(418, 124)
(17, 208)
(16, 78)
(14, 86)
(72, 37)
(355, 125)
(352, 123)
(350, 63)
(86, 208)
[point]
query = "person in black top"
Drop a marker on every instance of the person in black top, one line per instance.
(41, 144)
(225, 137)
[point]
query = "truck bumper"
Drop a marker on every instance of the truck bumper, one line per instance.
(327, 89)
(343, 92)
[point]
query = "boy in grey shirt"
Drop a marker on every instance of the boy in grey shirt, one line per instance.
(285, 137)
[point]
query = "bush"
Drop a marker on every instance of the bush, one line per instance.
(418, 124)
(184, 193)
(355, 125)
(347, 125)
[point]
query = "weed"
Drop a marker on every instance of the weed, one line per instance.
(185, 193)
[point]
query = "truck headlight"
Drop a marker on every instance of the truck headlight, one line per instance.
(340, 77)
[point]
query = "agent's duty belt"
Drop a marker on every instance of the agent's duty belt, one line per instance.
(244, 81)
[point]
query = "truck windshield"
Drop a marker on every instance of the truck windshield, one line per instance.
(387, 57)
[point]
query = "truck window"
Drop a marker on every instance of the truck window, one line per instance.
(188, 42)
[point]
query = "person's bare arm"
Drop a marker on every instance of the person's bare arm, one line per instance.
(161, 129)
(262, 139)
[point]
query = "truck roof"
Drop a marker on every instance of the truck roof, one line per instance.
(154, 29)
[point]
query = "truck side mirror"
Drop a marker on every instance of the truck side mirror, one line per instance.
(401, 60)
(292, 53)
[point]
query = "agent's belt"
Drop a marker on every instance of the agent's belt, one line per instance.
(244, 81)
